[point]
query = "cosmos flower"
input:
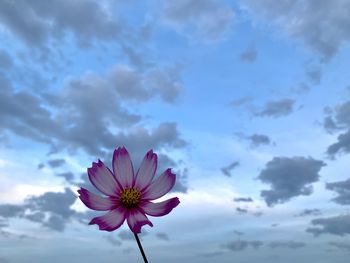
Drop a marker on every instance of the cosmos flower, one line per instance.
(128, 196)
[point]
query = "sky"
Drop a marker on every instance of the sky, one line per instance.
(247, 101)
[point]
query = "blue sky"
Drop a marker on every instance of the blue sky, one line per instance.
(248, 102)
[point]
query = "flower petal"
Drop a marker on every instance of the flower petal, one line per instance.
(96, 202)
(160, 186)
(146, 171)
(122, 167)
(159, 209)
(112, 220)
(137, 219)
(102, 178)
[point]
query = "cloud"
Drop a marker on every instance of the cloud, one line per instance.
(310, 212)
(259, 139)
(340, 245)
(227, 169)
(203, 20)
(9, 210)
(84, 101)
(210, 254)
(277, 108)
(336, 225)
(300, 88)
(162, 236)
(54, 163)
(329, 125)
(2, 223)
(342, 145)
(324, 31)
(339, 121)
(241, 210)
(240, 245)
(55, 202)
(286, 244)
(181, 181)
(314, 75)
(249, 55)
(289, 177)
(113, 241)
(5, 60)
(127, 235)
(67, 175)
(51, 209)
(36, 22)
(241, 102)
(243, 199)
(342, 188)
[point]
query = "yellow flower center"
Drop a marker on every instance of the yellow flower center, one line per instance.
(130, 197)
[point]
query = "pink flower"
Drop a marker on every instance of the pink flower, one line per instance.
(128, 196)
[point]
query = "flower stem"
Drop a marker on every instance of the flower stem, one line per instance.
(140, 247)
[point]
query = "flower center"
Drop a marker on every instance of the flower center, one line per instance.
(130, 197)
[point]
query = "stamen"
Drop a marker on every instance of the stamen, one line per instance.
(130, 197)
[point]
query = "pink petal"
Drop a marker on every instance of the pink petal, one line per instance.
(102, 178)
(122, 167)
(159, 209)
(110, 221)
(160, 186)
(146, 171)
(137, 219)
(96, 202)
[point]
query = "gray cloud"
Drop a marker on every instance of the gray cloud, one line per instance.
(314, 75)
(342, 145)
(210, 254)
(66, 175)
(336, 225)
(204, 20)
(300, 88)
(35, 22)
(340, 245)
(286, 244)
(41, 166)
(277, 108)
(340, 120)
(243, 199)
(342, 188)
(289, 177)
(84, 101)
(35, 217)
(54, 163)
(57, 203)
(241, 210)
(9, 210)
(227, 169)
(240, 245)
(128, 235)
(259, 139)
(5, 60)
(241, 102)
(2, 223)
(113, 241)
(310, 212)
(249, 55)
(329, 125)
(324, 31)
(181, 181)
(162, 236)
(51, 209)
